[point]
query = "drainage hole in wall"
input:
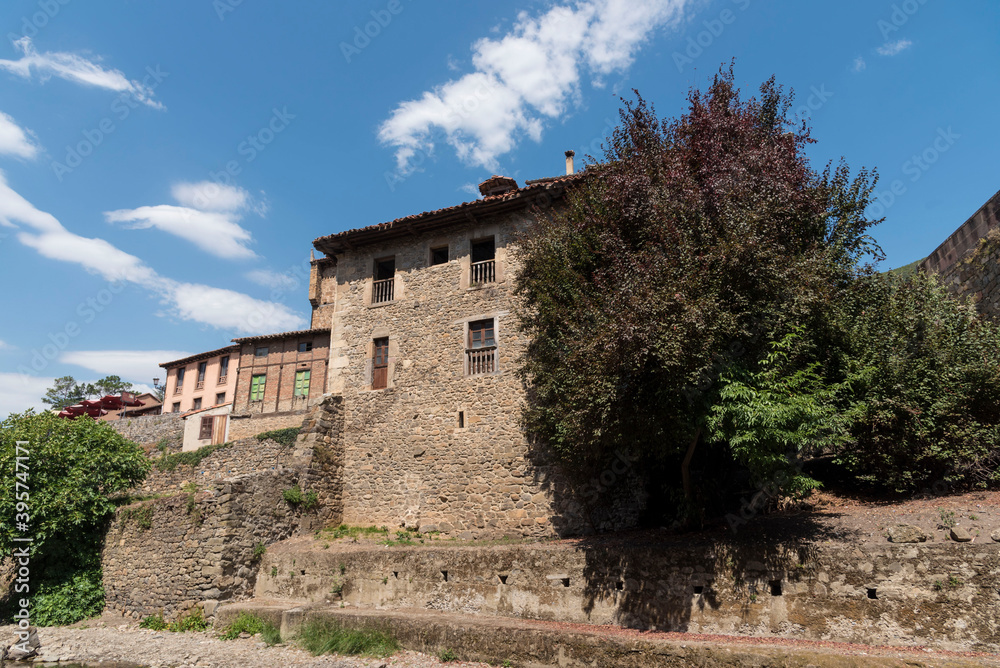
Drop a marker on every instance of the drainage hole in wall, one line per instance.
(444, 574)
(565, 582)
(395, 574)
(872, 593)
(620, 585)
(503, 579)
(699, 589)
(461, 419)
(303, 572)
(775, 587)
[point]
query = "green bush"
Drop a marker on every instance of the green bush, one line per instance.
(246, 622)
(326, 637)
(154, 622)
(292, 495)
(192, 458)
(194, 620)
(77, 596)
(142, 515)
(282, 436)
(447, 655)
(310, 500)
(259, 550)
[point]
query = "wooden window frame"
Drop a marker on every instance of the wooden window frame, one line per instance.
(380, 363)
(257, 351)
(209, 422)
(437, 249)
(302, 379)
(305, 346)
(196, 404)
(258, 383)
(481, 347)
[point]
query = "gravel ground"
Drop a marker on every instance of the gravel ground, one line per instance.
(159, 649)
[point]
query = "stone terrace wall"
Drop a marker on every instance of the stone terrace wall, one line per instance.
(151, 429)
(320, 441)
(964, 240)
(234, 459)
(164, 556)
(943, 594)
(246, 425)
(977, 276)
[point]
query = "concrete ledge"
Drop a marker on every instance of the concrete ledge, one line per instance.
(534, 644)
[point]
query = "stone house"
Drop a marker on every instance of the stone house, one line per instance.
(280, 377)
(423, 354)
(199, 381)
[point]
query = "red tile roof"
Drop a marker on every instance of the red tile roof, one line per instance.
(199, 357)
(283, 335)
(534, 192)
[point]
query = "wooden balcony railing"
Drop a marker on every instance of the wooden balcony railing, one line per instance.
(178, 389)
(481, 361)
(382, 291)
(223, 380)
(483, 272)
(200, 385)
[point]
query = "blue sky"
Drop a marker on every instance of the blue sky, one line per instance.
(164, 167)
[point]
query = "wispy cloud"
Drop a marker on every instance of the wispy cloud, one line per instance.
(75, 68)
(15, 140)
(525, 77)
(130, 365)
(894, 48)
(5, 346)
(859, 64)
(19, 392)
(208, 218)
(273, 279)
(217, 307)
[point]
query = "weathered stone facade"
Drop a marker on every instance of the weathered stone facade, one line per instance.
(440, 447)
(246, 425)
(977, 275)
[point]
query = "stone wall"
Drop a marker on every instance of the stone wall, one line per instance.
(964, 239)
(943, 594)
(246, 425)
(151, 429)
(169, 554)
(977, 275)
(235, 458)
(439, 449)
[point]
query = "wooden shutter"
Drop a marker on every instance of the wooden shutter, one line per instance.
(380, 378)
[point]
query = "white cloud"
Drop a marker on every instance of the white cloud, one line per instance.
(130, 365)
(524, 77)
(5, 346)
(219, 308)
(19, 392)
(213, 232)
(74, 68)
(273, 279)
(208, 218)
(893, 48)
(15, 140)
(860, 64)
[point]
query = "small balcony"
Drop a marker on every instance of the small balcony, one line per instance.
(223, 380)
(382, 291)
(178, 389)
(481, 361)
(483, 272)
(200, 385)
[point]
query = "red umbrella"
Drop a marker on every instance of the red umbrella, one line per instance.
(111, 402)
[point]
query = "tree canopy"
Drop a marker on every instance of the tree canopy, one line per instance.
(66, 391)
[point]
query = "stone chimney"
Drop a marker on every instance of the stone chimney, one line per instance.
(569, 162)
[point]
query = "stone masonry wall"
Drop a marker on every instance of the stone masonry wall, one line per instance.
(438, 449)
(236, 458)
(246, 426)
(977, 275)
(169, 554)
(151, 429)
(964, 240)
(941, 594)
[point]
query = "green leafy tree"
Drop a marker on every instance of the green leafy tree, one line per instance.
(70, 471)
(696, 242)
(926, 368)
(110, 385)
(65, 392)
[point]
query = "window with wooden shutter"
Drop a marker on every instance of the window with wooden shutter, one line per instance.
(481, 355)
(257, 387)
(380, 368)
(206, 428)
(302, 383)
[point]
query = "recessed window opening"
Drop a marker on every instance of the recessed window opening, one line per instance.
(257, 383)
(305, 346)
(260, 352)
(439, 255)
(382, 286)
(481, 356)
(202, 366)
(461, 419)
(380, 367)
(775, 587)
(483, 262)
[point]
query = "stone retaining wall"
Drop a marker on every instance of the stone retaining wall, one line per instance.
(945, 595)
(152, 429)
(246, 425)
(977, 275)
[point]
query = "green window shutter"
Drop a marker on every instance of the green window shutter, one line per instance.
(302, 383)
